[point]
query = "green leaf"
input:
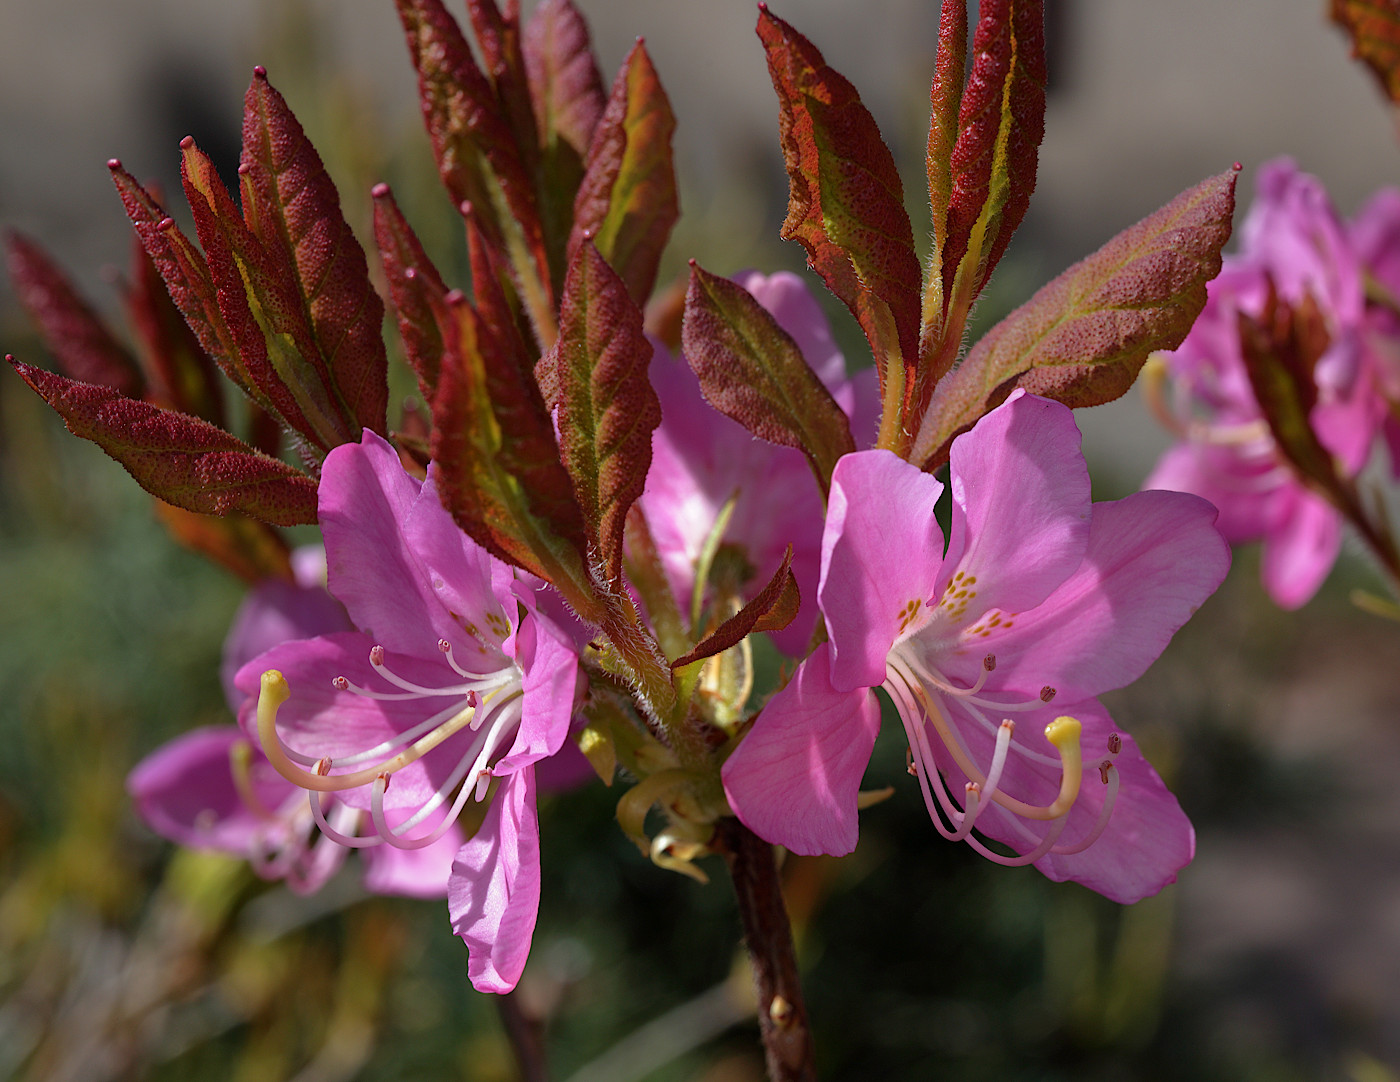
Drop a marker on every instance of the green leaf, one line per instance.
(1374, 29)
(184, 460)
(607, 408)
(627, 201)
(846, 201)
(79, 341)
(750, 369)
(293, 208)
(1083, 337)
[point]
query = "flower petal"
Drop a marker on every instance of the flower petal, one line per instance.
(1301, 548)
(275, 612)
(1153, 558)
(412, 873)
(550, 684)
(494, 891)
(881, 550)
(1021, 504)
(795, 776)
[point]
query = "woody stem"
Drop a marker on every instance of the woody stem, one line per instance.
(782, 1015)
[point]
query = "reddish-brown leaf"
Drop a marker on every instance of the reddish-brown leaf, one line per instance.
(293, 208)
(1000, 125)
(771, 610)
(565, 84)
(415, 287)
(180, 375)
(182, 459)
(627, 202)
(477, 154)
(252, 550)
(607, 408)
(945, 101)
(498, 37)
(846, 201)
(1083, 337)
(750, 369)
(499, 472)
(1374, 29)
(79, 341)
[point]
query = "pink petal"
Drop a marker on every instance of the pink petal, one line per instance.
(1020, 505)
(1301, 548)
(412, 873)
(275, 612)
(550, 685)
(494, 891)
(1236, 484)
(1152, 559)
(794, 778)
(881, 551)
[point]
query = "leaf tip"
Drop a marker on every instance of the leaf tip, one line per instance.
(114, 164)
(1237, 167)
(260, 73)
(380, 191)
(187, 143)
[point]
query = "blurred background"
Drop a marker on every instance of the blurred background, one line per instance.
(1277, 956)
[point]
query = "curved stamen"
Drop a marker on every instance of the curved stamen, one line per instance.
(391, 836)
(1111, 776)
(1046, 845)
(376, 662)
(350, 841)
(446, 648)
(988, 791)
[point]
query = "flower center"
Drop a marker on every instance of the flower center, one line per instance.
(920, 693)
(485, 704)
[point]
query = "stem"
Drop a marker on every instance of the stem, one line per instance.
(782, 1015)
(526, 1037)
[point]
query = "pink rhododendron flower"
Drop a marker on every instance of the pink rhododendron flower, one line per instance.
(701, 460)
(453, 687)
(1294, 238)
(993, 651)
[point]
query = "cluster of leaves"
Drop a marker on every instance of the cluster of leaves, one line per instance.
(541, 409)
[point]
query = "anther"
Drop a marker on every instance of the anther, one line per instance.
(909, 763)
(990, 662)
(323, 765)
(376, 658)
(444, 646)
(1047, 693)
(1115, 744)
(1104, 768)
(383, 779)
(340, 683)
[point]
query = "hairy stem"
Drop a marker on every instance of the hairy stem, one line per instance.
(782, 1015)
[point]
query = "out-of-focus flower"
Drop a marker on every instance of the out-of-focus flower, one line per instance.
(453, 687)
(701, 460)
(993, 653)
(1297, 253)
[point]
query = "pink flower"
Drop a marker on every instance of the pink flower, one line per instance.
(701, 460)
(455, 685)
(993, 653)
(1294, 239)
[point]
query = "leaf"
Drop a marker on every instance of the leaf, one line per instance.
(252, 550)
(79, 341)
(846, 202)
(186, 275)
(1374, 29)
(182, 459)
(1083, 337)
(566, 90)
(293, 208)
(477, 154)
(627, 201)
(1001, 122)
(278, 360)
(771, 610)
(607, 408)
(498, 37)
(945, 98)
(499, 472)
(750, 369)
(415, 287)
(180, 375)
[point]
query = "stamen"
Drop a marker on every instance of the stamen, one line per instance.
(1110, 777)
(988, 792)
(990, 662)
(446, 648)
(1047, 693)
(333, 832)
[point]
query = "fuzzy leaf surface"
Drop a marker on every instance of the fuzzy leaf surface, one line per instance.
(1374, 29)
(415, 287)
(750, 369)
(607, 407)
(771, 610)
(184, 460)
(79, 341)
(292, 206)
(627, 201)
(945, 100)
(845, 201)
(1083, 337)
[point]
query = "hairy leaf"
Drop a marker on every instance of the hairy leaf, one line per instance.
(498, 463)
(293, 208)
(79, 341)
(1374, 29)
(627, 202)
(1001, 122)
(181, 459)
(415, 287)
(498, 36)
(771, 610)
(607, 408)
(750, 369)
(1083, 337)
(945, 100)
(845, 202)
